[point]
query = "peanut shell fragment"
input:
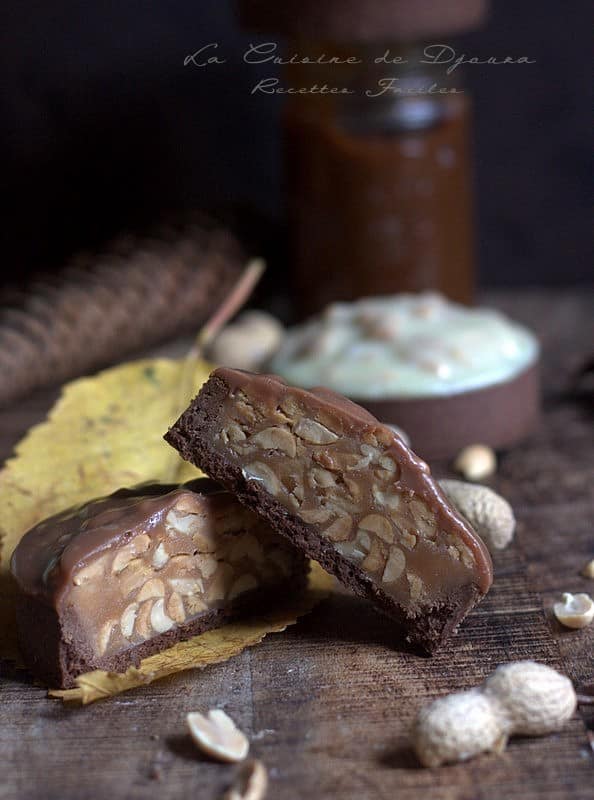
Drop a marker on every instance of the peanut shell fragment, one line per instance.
(250, 784)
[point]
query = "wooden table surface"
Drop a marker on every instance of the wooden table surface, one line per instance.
(328, 704)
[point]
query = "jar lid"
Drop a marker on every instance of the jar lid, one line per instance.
(362, 21)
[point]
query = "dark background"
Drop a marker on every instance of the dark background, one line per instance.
(104, 129)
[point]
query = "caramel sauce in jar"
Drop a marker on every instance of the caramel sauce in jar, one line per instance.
(379, 190)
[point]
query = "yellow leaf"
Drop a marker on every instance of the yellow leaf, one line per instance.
(103, 433)
(211, 647)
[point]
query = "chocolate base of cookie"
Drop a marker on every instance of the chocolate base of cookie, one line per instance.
(501, 415)
(424, 629)
(56, 652)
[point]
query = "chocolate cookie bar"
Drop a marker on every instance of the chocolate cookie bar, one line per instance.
(108, 583)
(346, 490)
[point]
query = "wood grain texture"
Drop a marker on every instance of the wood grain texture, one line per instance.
(329, 703)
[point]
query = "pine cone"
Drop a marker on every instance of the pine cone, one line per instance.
(105, 306)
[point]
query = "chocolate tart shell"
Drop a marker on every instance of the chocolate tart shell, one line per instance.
(500, 415)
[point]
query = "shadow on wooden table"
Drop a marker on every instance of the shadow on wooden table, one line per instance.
(349, 619)
(399, 758)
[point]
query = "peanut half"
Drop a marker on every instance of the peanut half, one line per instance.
(575, 610)
(217, 735)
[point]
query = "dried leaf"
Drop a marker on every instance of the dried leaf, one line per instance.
(103, 433)
(211, 647)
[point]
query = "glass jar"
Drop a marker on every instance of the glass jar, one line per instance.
(378, 176)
